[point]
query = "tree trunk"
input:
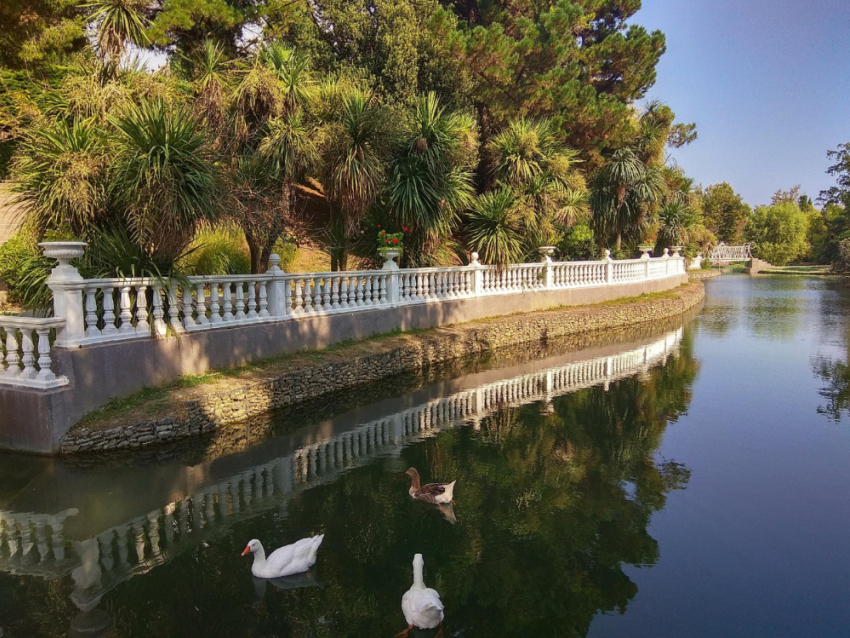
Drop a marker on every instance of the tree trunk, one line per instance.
(255, 251)
(486, 162)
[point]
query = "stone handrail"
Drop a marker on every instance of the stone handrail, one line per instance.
(25, 356)
(94, 311)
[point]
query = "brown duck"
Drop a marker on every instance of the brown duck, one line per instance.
(431, 493)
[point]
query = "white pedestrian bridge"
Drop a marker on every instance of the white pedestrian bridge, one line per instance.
(103, 527)
(724, 254)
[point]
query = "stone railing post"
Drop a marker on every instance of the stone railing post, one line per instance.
(390, 265)
(666, 257)
(548, 274)
(277, 293)
(477, 275)
(67, 285)
(609, 268)
(646, 268)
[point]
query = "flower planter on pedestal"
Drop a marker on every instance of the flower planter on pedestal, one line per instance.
(645, 249)
(676, 250)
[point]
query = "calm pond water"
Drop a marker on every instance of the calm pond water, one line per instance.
(680, 480)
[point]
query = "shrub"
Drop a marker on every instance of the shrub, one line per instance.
(578, 244)
(25, 269)
(218, 251)
(842, 261)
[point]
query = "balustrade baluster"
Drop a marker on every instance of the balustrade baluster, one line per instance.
(126, 319)
(28, 360)
(264, 300)
(344, 293)
(240, 301)
(227, 298)
(142, 325)
(201, 305)
(297, 298)
(12, 357)
(172, 314)
(254, 289)
(188, 319)
(358, 288)
(109, 311)
(317, 294)
(159, 325)
(326, 294)
(91, 311)
(383, 283)
(376, 290)
(335, 293)
(215, 317)
(308, 295)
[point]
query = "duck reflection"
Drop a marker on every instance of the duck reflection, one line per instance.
(448, 512)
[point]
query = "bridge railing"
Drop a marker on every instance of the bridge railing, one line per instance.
(95, 311)
(722, 253)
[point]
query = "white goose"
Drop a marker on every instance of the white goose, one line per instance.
(288, 560)
(421, 605)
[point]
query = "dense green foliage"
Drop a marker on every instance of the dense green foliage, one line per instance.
(495, 126)
(778, 232)
(725, 213)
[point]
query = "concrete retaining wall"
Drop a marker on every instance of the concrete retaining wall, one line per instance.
(211, 410)
(37, 421)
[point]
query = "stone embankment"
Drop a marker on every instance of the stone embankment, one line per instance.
(704, 274)
(204, 408)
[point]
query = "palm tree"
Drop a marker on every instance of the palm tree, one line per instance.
(164, 176)
(61, 172)
(622, 195)
(210, 85)
(117, 23)
(674, 220)
(270, 122)
(495, 228)
(354, 165)
(531, 160)
(430, 181)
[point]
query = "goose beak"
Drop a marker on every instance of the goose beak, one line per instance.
(247, 551)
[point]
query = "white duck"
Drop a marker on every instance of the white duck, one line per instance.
(288, 560)
(421, 606)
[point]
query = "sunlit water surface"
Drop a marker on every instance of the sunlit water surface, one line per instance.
(662, 482)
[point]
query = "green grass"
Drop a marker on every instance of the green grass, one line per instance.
(159, 396)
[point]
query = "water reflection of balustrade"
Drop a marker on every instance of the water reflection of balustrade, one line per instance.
(34, 544)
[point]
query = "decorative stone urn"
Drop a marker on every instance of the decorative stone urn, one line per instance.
(676, 250)
(645, 250)
(390, 255)
(547, 252)
(64, 252)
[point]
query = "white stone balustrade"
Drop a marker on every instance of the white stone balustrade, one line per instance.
(93, 311)
(25, 352)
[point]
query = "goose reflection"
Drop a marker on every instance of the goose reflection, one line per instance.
(296, 581)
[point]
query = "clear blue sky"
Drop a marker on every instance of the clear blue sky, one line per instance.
(766, 81)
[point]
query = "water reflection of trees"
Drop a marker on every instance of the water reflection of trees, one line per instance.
(835, 375)
(553, 501)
